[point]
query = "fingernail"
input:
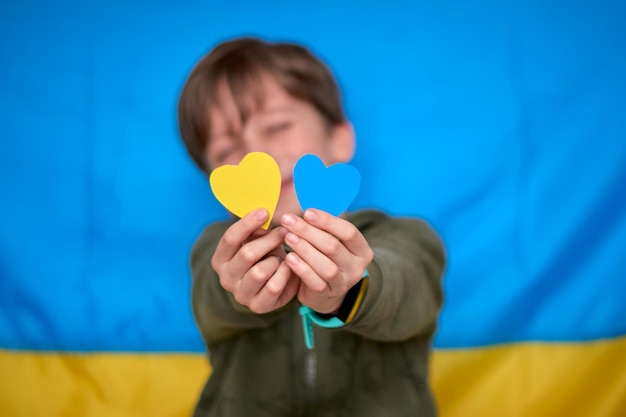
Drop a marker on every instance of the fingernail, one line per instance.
(292, 259)
(289, 219)
(291, 238)
(282, 231)
(261, 214)
(310, 215)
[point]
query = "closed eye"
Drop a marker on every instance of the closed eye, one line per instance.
(277, 128)
(223, 154)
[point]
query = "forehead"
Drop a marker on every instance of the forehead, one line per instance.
(236, 104)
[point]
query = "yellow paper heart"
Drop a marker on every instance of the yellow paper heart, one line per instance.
(253, 184)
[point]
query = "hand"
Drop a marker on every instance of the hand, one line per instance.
(249, 263)
(329, 255)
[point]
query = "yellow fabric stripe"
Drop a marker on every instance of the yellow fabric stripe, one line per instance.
(359, 299)
(532, 380)
(100, 385)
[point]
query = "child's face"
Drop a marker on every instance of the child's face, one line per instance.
(283, 127)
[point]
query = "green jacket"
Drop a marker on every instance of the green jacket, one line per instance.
(376, 365)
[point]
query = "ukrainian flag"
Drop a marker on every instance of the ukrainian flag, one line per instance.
(504, 125)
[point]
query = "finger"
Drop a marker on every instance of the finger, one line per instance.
(253, 251)
(308, 276)
(293, 284)
(236, 234)
(322, 265)
(271, 296)
(324, 243)
(255, 279)
(277, 282)
(342, 229)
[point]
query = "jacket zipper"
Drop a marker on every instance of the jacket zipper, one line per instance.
(310, 375)
(310, 358)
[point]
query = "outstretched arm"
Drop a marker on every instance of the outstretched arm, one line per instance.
(403, 296)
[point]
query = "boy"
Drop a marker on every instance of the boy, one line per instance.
(377, 278)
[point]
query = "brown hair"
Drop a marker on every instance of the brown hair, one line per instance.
(240, 63)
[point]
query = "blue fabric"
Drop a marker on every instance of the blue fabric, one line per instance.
(502, 125)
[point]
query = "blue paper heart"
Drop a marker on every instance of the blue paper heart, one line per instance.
(330, 189)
